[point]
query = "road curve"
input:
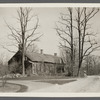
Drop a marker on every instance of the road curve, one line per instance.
(88, 85)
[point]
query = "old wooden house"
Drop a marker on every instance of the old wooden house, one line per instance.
(36, 64)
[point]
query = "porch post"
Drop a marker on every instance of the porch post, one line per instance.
(55, 68)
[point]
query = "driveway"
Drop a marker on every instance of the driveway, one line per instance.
(82, 85)
(31, 84)
(88, 85)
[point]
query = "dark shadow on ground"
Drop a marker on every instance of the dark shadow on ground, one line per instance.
(12, 87)
(23, 88)
(60, 82)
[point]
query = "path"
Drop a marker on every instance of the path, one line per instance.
(89, 84)
(32, 85)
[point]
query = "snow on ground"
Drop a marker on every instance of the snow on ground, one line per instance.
(32, 85)
(89, 84)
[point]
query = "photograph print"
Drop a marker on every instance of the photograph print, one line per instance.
(49, 49)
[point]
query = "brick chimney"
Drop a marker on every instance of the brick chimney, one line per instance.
(41, 51)
(55, 54)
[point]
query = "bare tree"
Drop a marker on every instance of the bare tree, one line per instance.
(92, 64)
(33, 48)
(65, 32)
(26, 34)
(84, 15)
(3, 70)
(77, 20)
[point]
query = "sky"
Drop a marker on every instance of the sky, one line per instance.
(49, 42)
(47, 18)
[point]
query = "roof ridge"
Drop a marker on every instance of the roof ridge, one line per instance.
(34, 56)
(44, 54)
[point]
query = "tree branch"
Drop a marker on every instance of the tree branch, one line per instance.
(8, 49)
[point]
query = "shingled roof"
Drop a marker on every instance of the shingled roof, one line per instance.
(43, 57)
(38, 57)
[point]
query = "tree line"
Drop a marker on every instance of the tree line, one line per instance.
(78, 41)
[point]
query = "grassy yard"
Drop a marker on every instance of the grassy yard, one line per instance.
(47, 79)
(36, 77)
(21, 84)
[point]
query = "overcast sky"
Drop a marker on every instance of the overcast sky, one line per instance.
(47, 18)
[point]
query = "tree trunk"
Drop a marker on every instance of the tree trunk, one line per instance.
(23, 54)
(80, 64)
(71, 69)
(78, 71)
(72, 56)
(87, 69)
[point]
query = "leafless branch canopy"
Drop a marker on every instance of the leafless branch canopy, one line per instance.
(29, 24)
(77, 21)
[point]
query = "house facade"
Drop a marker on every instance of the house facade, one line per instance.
(36, 64)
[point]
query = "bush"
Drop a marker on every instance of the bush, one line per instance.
(3, 74)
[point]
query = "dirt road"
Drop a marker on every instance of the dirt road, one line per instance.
(32, 85)
(88, 85)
